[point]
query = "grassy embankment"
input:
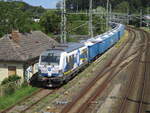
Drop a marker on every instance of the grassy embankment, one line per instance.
(146, 29)
(18, 95)
(124, 38)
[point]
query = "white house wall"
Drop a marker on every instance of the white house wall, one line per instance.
(4, 69)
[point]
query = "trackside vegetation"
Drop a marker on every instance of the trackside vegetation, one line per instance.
(146, 29)
(117, 5)
(12, 90)
(11, 78)
(122, 40)
(18, 95)
(15, 15)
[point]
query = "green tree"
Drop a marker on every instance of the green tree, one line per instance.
(134, 5)
(50, 21)
(17, 15)
(98, 25)
(122, 7)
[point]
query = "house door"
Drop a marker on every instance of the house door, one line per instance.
(11, 70)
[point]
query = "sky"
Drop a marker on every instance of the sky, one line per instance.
(44, 3)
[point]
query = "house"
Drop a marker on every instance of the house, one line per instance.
(36, 20)
(147, 20)
(19, 51)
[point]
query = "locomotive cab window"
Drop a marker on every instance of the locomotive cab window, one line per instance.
(50, 59)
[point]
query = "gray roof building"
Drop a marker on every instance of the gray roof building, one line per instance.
(22, 47)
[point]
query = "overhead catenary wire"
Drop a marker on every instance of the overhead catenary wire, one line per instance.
(78, 27)
(90, 13)
(64, 21)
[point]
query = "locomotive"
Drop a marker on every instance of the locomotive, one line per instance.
(59, 64)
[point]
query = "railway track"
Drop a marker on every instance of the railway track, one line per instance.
(30, 101)
(133, 77)
(80, 104)
(143, 72)
(104, 76)
(145, 76)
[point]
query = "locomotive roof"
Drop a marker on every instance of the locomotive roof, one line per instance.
(67, 47)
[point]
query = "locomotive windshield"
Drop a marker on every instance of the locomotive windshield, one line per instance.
(50, 59)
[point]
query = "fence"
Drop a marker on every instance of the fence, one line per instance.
(9, 87)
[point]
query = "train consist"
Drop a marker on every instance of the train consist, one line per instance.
(58, 65)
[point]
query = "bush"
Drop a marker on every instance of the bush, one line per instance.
(11, 99)
(10, 79)
(10, 88)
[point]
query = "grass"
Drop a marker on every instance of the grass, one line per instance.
(72, 39)
(50, 34)
(146, 29)
(124, 38)
(55, 95)
(46, 101)
(9, 100)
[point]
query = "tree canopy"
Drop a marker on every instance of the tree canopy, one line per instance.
(50, 21)
(17, 16)
(117, 5)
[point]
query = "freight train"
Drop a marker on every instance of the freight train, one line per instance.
(59, 64)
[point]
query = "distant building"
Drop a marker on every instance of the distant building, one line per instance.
(147, 20)
(147, 17)
(20, 52)
(36, 20)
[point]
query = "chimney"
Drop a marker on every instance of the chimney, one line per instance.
(15, 36)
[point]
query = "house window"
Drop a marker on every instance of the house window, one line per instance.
(11, 70)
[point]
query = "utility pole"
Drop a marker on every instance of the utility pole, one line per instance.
(107, 17)
(148, 20)
(140, 17)
(61, 30)
(63, 22)
(110, 11)
(90, 19)
(128, 16)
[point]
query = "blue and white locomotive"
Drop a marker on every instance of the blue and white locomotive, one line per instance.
(60, 64)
